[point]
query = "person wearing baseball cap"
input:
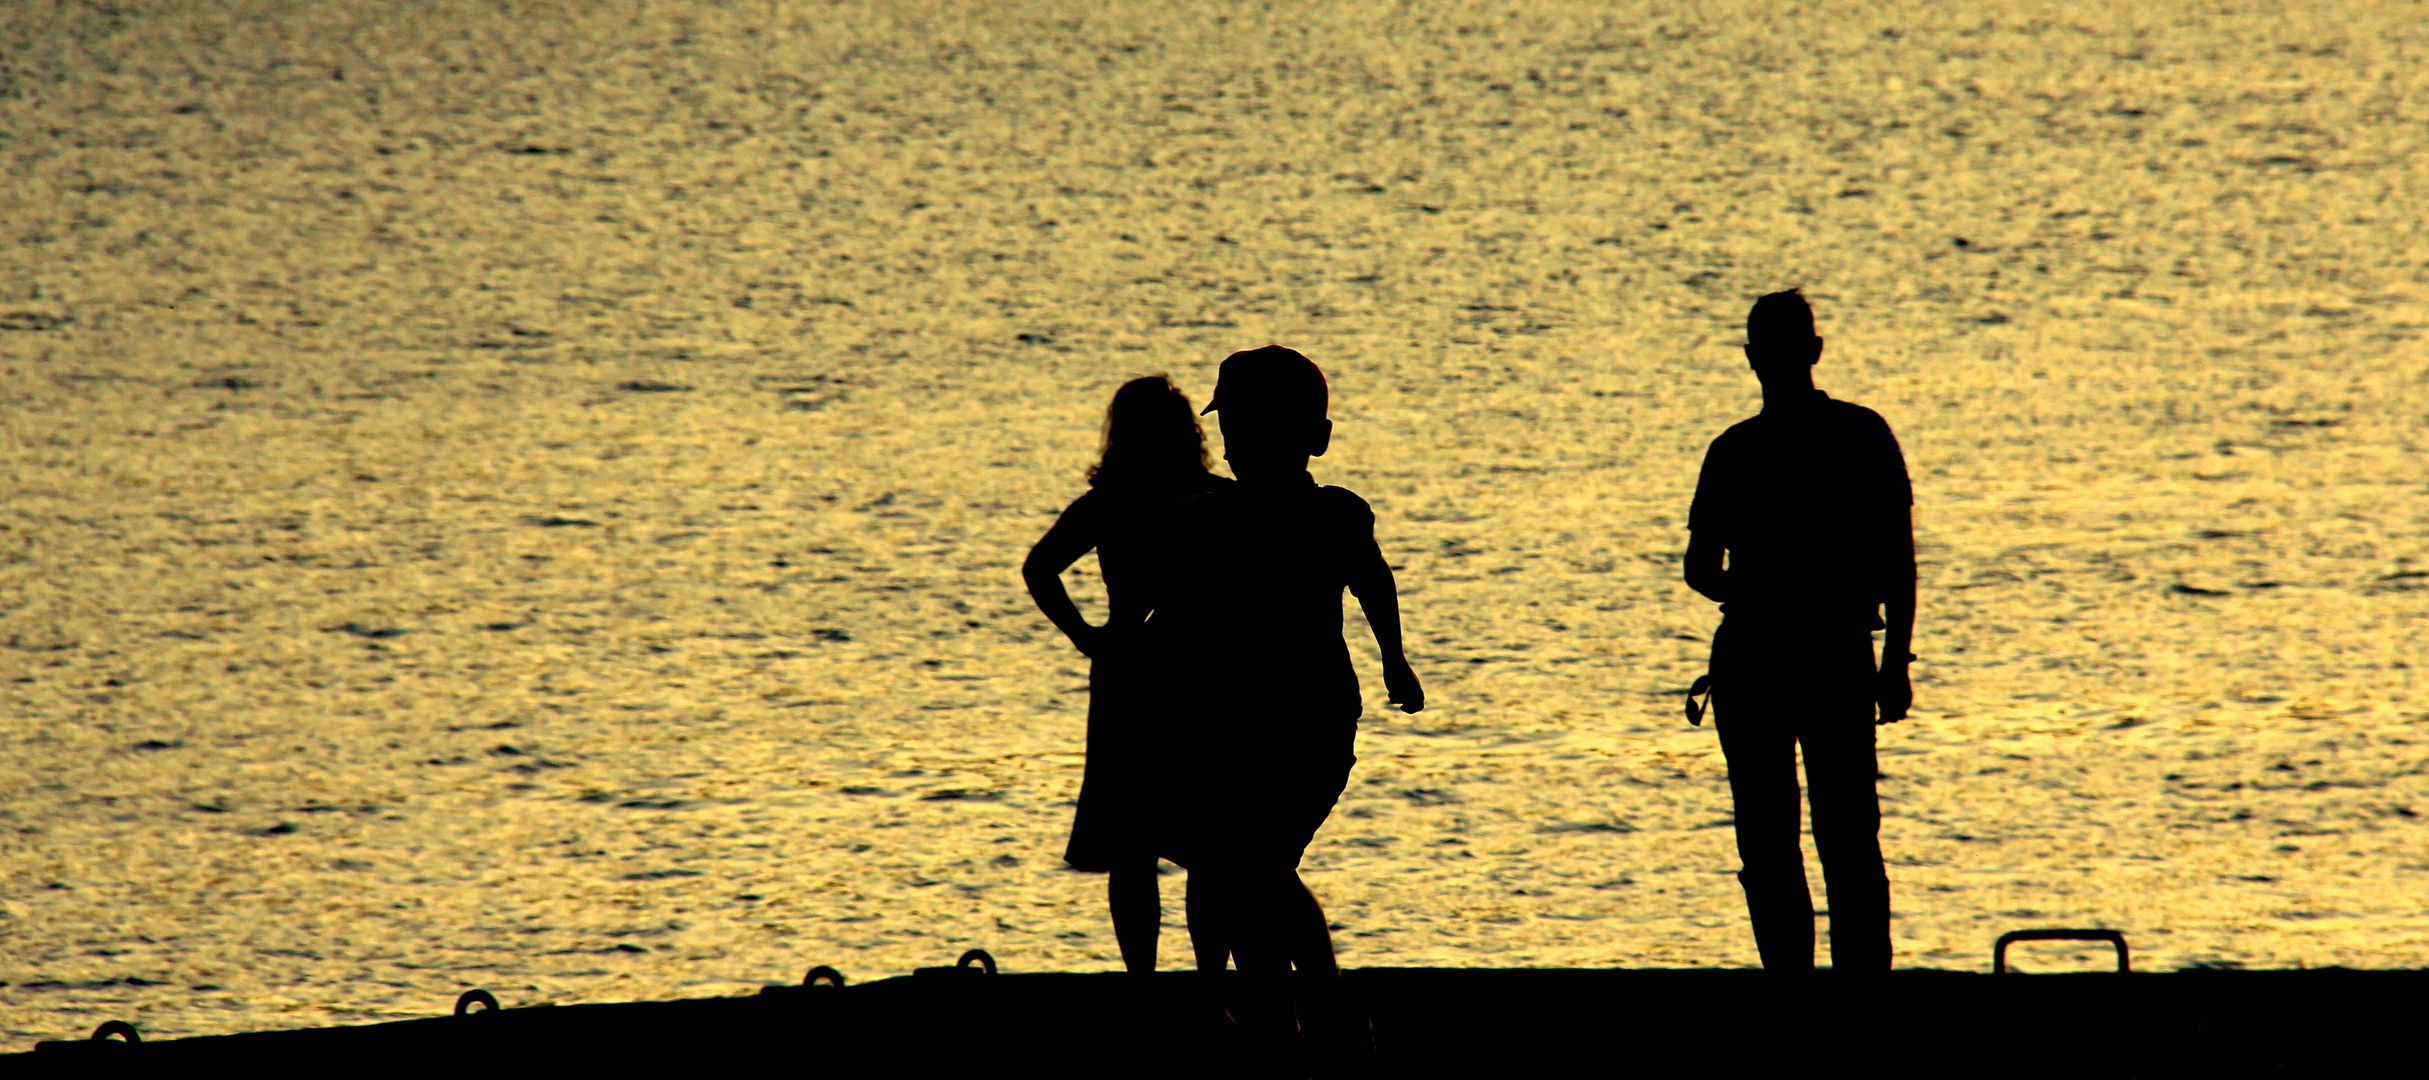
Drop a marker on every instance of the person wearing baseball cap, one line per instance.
(1267, 729)
(1272, 379)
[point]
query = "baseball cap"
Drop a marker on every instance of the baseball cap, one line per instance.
(1272, 377)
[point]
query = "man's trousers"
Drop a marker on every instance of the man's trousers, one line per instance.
(1774, 691)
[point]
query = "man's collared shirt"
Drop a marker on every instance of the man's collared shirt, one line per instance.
(1809, 500)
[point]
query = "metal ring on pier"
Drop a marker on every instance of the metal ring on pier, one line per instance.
(1998, 960)
(825, 974)
(469, 998)
(984, 961)
(125, 1031)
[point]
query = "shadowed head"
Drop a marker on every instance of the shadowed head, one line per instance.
(1272, 402)
(1271, 380)
(1151, 436)
(1780, 337)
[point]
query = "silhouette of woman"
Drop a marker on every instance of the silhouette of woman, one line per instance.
(1153, 459)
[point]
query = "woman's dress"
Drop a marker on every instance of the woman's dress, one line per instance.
(1112, 825)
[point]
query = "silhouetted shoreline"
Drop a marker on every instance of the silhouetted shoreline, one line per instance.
(1429, 1021)
(524, 495)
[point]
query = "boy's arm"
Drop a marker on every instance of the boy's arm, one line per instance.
(1072, 536)
(1379, 597)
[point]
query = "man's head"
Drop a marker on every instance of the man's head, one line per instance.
(1272, 403)
(1780, 341)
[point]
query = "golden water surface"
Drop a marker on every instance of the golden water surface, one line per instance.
(529, 495)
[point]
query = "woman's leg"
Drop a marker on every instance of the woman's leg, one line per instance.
(1138, 913)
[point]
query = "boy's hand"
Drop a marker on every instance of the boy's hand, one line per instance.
(1894, 691)
(1400, 683)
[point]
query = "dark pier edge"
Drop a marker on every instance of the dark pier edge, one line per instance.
(1428, 1021)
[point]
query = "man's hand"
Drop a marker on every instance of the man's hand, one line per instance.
(1894, 691)
(1400, 683)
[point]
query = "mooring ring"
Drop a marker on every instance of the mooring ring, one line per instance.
(1998, 956)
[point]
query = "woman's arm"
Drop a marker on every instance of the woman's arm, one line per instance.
(1073, 535)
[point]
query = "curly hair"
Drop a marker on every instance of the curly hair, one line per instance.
(1151, 436)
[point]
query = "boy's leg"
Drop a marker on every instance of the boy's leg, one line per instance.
(1260, 918)
(1209, 935)
(1322, 772)
(1312, 936)
(1138, 913)
(1336, 1030)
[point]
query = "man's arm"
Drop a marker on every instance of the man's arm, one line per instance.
(1072, 536)
(1704, 572)
(1378, 596)
(1896, 692)
(1706, 513)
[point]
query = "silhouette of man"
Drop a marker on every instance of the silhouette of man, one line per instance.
(1810, 503)
(1251, 606)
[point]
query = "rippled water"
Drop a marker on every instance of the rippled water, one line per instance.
(530, 498)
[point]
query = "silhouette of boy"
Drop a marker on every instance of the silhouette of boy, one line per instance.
(1811, 504)
(1252, 605)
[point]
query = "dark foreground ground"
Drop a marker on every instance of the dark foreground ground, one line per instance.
(1427, 1022)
